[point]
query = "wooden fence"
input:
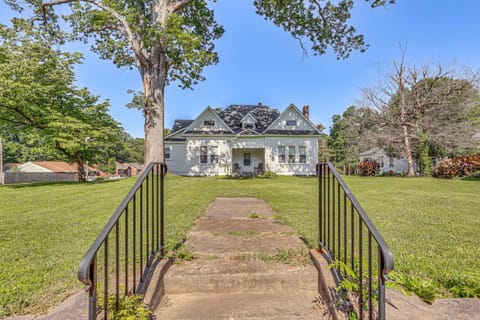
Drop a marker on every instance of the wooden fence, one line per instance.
(21, 177)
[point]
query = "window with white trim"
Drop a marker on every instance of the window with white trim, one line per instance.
(248, 125)
(166, 153)
(281, 154)
(246, 159)
(291, 122)
(214, 154)
(302, 154)
(291, 154)
(209, 123)
(203, 154)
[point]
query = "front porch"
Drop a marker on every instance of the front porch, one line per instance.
(248, 162)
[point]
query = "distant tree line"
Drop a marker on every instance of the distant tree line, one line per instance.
(421, 113)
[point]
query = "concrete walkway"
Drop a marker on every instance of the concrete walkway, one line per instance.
(246, 266)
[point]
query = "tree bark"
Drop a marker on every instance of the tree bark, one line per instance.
(154, 89)
(408, 151)
(80, 167)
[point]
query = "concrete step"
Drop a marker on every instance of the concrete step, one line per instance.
(227, 275)
(293, 304)
(208, 243)
(225, 225)
(237, 207)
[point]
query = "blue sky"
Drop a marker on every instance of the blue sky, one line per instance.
(261, 63)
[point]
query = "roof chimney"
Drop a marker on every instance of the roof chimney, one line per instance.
(260, 104)
(306, 111)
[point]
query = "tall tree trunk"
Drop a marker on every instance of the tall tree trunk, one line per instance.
(80, 167)
(408, 150)
(154, 85)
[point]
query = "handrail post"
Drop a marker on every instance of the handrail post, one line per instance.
(92, 291)
(149, 189)
(330, 209)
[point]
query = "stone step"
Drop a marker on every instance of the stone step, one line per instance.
(227, 275)
(232, 244)
(226, 225)
(292, 304)
(237, 207)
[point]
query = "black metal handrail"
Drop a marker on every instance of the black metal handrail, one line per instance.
(136, 242)
(341, 225)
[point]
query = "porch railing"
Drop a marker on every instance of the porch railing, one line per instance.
(354, 245)
(118, 261)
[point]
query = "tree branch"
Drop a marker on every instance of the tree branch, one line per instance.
(139, 51)
(179, 5)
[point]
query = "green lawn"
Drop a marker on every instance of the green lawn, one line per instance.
(431, 225)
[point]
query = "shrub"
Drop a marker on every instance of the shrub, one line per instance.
(368, 168)
(464, 166)
(130, 308)
(268, 175)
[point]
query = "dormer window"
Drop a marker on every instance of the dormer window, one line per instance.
(208, 123)
(291, 123)
(248, 122)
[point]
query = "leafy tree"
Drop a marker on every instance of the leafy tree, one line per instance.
(41, 106)
(132, 149)
(352, 133)
(426, 111)
(173, 40)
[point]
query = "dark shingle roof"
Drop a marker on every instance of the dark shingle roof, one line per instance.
(292, 132)
(180, 124)
(264, 115)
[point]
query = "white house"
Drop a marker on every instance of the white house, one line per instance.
(387, 163)
(244, 140)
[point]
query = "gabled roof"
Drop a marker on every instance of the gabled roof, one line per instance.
(314, 130)
(248, 115)
(190, 128)
(181, 124)
(232, 118)
(234, 114)
(57, 166)
(370, 152)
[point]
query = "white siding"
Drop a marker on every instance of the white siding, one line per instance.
(272, 159)
(400, 165)
(178, 153)
(248, 143)
(290, 114)
(208, 114)
(192, 159)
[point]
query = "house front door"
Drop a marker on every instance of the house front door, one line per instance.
(247, 162)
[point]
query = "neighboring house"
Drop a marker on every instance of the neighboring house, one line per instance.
(127, 169)
(47, 166)
(243, 140)
(387, 163)
(54, 167)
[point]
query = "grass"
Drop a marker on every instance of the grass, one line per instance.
(248, 233)
(44, 231)
(430, 224)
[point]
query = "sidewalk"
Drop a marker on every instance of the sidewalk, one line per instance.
(246, 265)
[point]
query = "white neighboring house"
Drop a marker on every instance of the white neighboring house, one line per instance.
(387, 163)
(244, 140)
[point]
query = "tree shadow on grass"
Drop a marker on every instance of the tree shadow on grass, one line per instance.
(64, 183)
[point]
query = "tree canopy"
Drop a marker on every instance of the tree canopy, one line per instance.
(41, 106)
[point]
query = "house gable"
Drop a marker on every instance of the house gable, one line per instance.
(248, 122)
(208, 122)
(176, 136)
(292, 121)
